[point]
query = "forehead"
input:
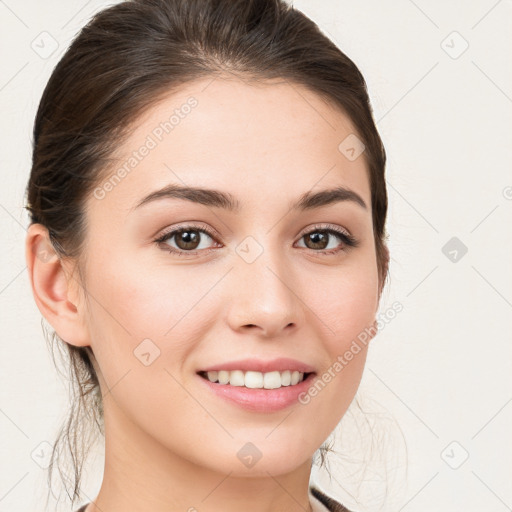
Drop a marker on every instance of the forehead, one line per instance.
(250, 139)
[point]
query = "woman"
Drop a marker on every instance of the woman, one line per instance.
(207, 239)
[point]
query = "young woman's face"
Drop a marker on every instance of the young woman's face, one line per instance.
(256, 284)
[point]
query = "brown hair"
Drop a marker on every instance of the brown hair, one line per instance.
(127, 57)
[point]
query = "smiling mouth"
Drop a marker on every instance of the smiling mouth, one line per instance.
(256, 380)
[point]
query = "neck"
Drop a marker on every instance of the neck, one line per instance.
(140, 474)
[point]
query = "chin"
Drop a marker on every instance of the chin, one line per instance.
(259, 458)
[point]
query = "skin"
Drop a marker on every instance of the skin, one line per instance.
(169, 444)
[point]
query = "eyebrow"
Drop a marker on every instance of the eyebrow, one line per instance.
(225, 200)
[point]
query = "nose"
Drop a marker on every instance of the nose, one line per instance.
(265, 298)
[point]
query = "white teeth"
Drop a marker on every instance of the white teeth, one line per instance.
(286, 378)
(253, 379)
(256, 380)
(223, 377)
(236, 378)
(272, 380)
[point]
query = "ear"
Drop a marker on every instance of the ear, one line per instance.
(56, 291)
(386, 268)
(381, 285)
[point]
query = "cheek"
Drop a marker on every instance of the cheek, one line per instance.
(142, 314)
(348, 313)
(346, 302)
(345, 305)
(146, 299)
(142, 331)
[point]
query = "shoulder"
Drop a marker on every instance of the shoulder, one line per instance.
(331, 504)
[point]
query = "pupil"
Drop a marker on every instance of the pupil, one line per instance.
(318, 238)
(189, 239)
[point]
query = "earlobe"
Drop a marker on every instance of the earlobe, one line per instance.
(54, 289)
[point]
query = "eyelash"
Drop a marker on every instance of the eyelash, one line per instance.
(346, 238)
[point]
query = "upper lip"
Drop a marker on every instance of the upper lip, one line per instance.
(280, 364)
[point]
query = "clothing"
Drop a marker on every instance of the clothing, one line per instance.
(319, 501)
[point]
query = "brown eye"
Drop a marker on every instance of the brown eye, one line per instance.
(318, 240)
(187, 239)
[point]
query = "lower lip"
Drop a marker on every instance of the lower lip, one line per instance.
(260, 400)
